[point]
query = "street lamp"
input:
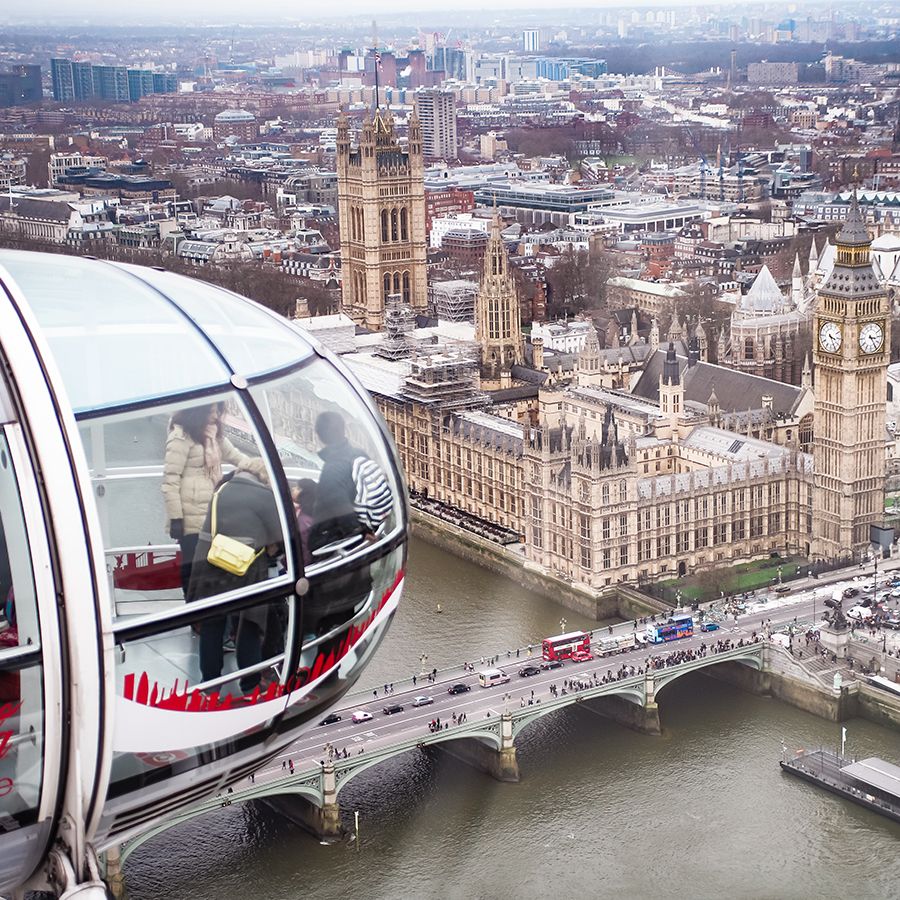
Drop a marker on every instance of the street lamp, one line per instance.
(875, 580)
(562, 625)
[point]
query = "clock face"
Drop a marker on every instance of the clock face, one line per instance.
(871, 337)
(830, 337)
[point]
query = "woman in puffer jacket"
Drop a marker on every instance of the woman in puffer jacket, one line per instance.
(196, 448)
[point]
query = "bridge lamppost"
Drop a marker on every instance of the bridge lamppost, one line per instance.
(562, 626)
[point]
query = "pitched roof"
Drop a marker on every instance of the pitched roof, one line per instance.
(736, 391)
(41, 210)
(764, 295)
(854, 233)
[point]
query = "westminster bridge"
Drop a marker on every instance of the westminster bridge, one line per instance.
(481, 726)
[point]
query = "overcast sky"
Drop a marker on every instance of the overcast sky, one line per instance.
(228, 11)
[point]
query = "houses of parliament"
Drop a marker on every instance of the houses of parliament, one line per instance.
(681, 467)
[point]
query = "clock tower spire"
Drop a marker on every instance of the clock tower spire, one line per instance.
(851, 355)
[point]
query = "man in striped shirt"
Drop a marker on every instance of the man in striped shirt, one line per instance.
(353, 498)
(353, 495)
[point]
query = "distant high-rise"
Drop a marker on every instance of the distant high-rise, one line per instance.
(140, 84)
(111, 83)
(21, 85)
(531, 40)
(81, 81)
(30, 84)
(437, 115)
(62, 79)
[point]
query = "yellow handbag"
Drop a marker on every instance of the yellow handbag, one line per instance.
(227, 553)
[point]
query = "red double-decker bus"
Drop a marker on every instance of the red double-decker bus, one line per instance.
(564, 645)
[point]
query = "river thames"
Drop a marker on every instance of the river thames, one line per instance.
(701, 812)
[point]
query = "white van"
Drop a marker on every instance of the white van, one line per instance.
(859, 613)
(490, 677)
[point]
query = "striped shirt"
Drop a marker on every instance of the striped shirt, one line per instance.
(372, 502)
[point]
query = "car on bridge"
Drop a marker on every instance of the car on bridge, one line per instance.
(851, 592)
(782, 589)
(361, 716)
(582, 656)
(551, 664)
(393, 708)
(891, 622)
(422, 701)
(528, 671)
(709, 626)
(330, 719)
(459, 688)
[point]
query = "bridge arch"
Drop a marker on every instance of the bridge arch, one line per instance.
(346, 775)
(631, 689)
(301, 790)
(664, 677)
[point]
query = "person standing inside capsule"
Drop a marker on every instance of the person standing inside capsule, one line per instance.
(196, 448)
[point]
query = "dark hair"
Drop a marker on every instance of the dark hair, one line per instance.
(309, 491)
(330, 427)
(193, 419)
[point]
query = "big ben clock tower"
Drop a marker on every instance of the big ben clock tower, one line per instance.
(851, 353)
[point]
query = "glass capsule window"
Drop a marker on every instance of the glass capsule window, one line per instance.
(142, 347)
(252, 340)
(21, 681)
(154, 472)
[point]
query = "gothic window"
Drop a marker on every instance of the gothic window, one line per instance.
(406, 287)
(748, 349)
(396, 282)
(806, 432)
(394, 233)
(384, 226)
(404, 225)
(623, 491)
(605, 494)
(387, 284)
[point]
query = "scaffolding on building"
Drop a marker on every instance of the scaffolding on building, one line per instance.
(453, 301)
(399, 325)
(446, 378)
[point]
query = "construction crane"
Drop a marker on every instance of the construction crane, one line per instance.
(704, 165)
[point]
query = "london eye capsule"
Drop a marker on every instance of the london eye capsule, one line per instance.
(202, 540)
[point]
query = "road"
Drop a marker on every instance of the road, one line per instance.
(772, 613)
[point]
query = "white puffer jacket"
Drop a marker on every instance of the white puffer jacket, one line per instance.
(186, 487)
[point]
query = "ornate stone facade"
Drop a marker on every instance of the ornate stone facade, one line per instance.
(498, 316)
(766, 328)
(852, 352)
(381, 205)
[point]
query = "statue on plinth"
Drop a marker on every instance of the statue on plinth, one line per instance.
(836, 617)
